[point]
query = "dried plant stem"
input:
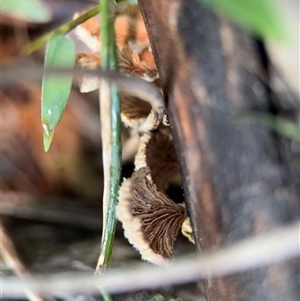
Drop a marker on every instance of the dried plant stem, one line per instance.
(64, 29)
(11, 258)
(106, 157)
(261, 250)
(111, 137)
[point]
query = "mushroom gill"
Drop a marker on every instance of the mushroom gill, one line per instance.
(138, 65)
(129, 29)
(151, 221)
(156, 150)
(133, 111)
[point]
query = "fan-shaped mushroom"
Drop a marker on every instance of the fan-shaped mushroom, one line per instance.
(130, 63)
(90, 61)
(138, 65)
(156, 150)
(135, 59)
(151, 221)
(133, 111)
(129, 29)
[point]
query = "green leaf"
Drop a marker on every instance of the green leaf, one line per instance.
(279, 125)
(60, 53)
(262, 17)
(28, 10)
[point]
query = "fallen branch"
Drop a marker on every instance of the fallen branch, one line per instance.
(264, 249)
(10, 257)
(11, 73)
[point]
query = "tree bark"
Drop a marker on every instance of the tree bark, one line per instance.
(238, 179)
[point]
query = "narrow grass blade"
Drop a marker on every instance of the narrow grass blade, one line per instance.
(60, 52)
(63, 29)
(27, 10)
(111, 142)
(279, 125)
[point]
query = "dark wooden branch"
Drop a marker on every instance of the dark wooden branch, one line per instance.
(237, 180)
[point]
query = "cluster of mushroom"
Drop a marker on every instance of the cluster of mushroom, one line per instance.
(150, 219)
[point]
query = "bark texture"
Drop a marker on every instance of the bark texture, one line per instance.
(238, 179)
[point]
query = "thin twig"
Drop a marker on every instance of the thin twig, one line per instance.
(258, 251)
(44, 208)
(136, 87)
(11, 258)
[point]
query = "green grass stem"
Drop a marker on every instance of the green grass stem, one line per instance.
(64, 29)
(110, 62)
